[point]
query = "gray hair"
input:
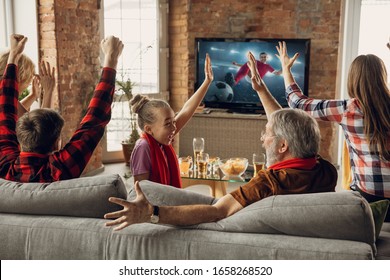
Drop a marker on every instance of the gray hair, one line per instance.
(145, 108)
(299, 129)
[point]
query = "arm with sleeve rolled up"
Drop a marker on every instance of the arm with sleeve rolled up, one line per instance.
(326, 110)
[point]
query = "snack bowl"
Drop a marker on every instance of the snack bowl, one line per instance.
(234, 166)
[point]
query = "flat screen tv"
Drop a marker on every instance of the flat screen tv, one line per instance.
(231, 88)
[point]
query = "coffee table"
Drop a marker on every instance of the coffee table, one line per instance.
(217, 184)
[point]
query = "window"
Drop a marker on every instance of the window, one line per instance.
(3, 26)
(373, 31)
(18, 16)
(141, 25)
(365, 31)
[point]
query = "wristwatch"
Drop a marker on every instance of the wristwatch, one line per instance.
(155, 217)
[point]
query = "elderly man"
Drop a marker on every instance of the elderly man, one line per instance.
(291, 140)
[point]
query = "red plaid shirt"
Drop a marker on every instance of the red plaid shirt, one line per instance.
(369, 172)
(70, 161)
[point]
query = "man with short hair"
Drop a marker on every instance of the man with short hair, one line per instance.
(29, 146)
(291, 140)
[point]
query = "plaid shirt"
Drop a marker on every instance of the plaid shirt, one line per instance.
(369, 172)
(70, 161)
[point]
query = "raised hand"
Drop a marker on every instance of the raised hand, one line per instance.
(208, 70)
(285, 60)
(257, 82)
(17, 43)
(35, 89)
(112, 48)
(46, 77)
(137, 211)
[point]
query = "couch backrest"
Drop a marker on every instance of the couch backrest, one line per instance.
(81, 197)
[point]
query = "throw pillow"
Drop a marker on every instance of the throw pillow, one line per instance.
(379, 211)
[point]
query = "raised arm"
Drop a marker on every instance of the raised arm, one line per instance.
(287, 63)
(140, 210)
(74, 156)
(9, 145)
(237, 64)
(47, 80)
(31, 98)
(269, 102)
(190, 106)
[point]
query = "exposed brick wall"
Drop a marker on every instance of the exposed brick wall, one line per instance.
(69, 39)
(318, 20)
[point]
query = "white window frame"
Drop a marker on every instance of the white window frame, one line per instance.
(20, 16)
(163, 67)
(349, 45)
(7, 26)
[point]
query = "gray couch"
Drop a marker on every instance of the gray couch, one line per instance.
(63, 220)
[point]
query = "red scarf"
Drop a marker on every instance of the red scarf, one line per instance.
(295, 163)
(165, 168)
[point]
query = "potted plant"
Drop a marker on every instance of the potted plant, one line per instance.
(125, 87)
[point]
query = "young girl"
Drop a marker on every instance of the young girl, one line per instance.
(153, 157)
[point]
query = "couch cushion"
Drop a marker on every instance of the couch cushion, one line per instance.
(379, 212)
(81, 197)
(164, 195)
(342, 215)
(383, 243)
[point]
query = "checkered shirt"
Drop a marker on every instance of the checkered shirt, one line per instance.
(70, 161)
(369, 173)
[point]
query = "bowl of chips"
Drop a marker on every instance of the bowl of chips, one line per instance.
(233, 166)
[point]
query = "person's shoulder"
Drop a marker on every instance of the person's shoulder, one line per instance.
(141, 143)
(323, 163)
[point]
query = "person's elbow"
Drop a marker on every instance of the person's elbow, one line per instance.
(225, 207)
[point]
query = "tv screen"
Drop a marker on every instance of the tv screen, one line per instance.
(231, 88)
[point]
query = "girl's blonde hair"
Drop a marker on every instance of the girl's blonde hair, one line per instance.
(26, 68)
(145, 108)
(367, 82)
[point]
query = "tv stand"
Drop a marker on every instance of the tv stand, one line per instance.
(247, 111)
(226, 134)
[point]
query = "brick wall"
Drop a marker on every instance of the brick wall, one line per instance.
(69, 39)
(318, 20)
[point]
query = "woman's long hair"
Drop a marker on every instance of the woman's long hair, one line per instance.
(367, 82)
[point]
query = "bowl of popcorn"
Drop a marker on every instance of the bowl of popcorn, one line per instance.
(233, 166)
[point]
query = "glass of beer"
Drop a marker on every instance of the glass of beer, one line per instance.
(198, 145)
(185, 164)
(202, 164)
(258, 163)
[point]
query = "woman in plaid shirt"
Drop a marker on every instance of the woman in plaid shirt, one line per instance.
(365, 120)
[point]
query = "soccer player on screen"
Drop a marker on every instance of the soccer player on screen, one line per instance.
(262, 66)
